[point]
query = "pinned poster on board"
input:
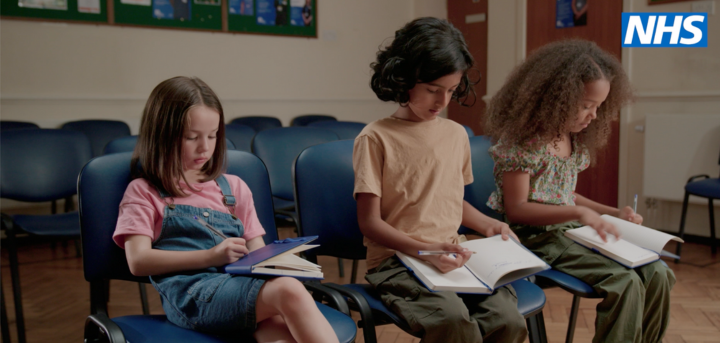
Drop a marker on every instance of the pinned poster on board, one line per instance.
(279, 17)
(571, 13)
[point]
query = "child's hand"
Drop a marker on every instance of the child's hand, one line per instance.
(627, 213)
(446, 263)
(497, 227)
(228, 251)
(592, 219)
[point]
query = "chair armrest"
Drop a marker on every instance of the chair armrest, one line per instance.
(363, 307)
(333, 297)
(692, 178)
(99, 328)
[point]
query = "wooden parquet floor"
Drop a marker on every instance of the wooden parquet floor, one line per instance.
(56, 298)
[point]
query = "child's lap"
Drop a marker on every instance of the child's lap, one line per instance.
(224, 304)
(403, 294)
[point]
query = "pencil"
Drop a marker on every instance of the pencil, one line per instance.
(210, 227)
(438, 252)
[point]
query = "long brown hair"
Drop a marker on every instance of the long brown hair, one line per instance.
(546, 91)
(163, 124)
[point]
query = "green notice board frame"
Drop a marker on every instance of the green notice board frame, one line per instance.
(249, 23)
(280, 16)
(203, 17)
(11, 8)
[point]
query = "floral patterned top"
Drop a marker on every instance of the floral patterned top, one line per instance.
(552, 178)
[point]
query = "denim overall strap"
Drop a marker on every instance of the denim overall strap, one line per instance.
(228, 198)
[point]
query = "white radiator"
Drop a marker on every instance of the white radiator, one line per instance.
(678, 146)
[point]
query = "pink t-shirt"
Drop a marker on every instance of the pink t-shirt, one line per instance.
(141, 209)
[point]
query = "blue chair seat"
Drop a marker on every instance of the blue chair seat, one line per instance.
(283, 204)
(157, 328)
(708, 188)
(64, 224)
(531, 299)
(381, 314)
(568, 283)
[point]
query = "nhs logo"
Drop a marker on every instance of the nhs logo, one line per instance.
(680, 30)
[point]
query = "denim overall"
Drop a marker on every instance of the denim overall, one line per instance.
(206, 300)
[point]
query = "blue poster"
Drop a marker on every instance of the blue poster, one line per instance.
(296, 12)
(240, 7)
(571, 13)
(171, 9)
(266, 12)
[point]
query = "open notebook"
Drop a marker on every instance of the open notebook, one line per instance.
(278, 259)
(638, 245)
(495, 264)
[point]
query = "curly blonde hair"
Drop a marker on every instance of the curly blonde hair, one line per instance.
(546, 91)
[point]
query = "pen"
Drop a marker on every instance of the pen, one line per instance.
(438, 252)
(210, 227)
(635, 204)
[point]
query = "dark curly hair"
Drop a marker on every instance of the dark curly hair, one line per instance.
(424, 50)
(546, 91)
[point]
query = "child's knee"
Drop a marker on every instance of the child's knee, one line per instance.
(290, 291)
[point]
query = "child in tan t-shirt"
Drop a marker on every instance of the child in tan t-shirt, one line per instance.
(410, 173)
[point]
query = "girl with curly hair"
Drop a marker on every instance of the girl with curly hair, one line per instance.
(410, 173)
(548, 120)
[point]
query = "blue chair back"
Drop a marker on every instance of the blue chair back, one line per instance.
(41, 164)
(101, 186)
(240, 135)
(478, 192)
(306, 119)
(17, 125)
(344, 129)
(324, 181)
(99, 132)
(278, 148)
(469, 131)
(122, 144)
(258, 123)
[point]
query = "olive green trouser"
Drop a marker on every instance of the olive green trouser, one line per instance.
(447, 316)
(636, 302)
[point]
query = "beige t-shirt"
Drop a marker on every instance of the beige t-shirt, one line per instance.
(419, 170)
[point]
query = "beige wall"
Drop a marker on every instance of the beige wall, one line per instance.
(668, 81)
(56, 72)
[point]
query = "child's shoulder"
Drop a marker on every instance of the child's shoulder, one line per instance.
(236, 183)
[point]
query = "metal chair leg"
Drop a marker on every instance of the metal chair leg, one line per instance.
(143, 298)
(713, 241)
(682, 224)
(4, 320)
(536, 328)
(17, 293)
(353, 277)
(573, 319)
(341, 267)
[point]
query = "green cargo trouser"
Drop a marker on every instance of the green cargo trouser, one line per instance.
(447, 316)
(636, 302)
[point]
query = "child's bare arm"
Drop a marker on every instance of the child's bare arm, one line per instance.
(516, 187)
(143, 260)
(376, 229)
(626, 213)
(483, 224)
(255, 243)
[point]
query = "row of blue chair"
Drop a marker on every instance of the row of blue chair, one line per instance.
(261, 123)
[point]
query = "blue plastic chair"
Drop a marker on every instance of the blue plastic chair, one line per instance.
(39, 165)
(278, 148)
(344, 129)
(101, 186)
(240, 135)
(469, 131)
(258, 123)
(17, 125)
(306, 119)
(99, 132)
(707, 188)
(324, 182)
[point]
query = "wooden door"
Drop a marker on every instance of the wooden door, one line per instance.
(599, 182)
(470, 17)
